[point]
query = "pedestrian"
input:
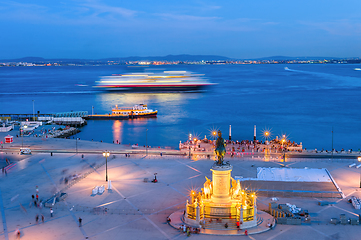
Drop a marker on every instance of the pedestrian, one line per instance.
(42, 218)
(35, 203)
(32, 196)
(3, 170)
(37, 197)
(237, 225)
(17, 233)
(80, 221)
(226, 225)
(51, 212)
(6, 173)
(37, 218)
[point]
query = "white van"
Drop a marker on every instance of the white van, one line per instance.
(25, 151)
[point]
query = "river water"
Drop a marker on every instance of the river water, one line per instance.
(304, 102)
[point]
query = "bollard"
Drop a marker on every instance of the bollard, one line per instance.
(51, 153)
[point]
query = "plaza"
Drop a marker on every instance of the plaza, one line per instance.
(135, 207)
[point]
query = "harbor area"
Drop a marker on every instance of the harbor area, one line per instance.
(136, 207)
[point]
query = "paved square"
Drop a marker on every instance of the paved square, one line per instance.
(135, 209)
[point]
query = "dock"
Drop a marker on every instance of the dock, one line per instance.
(74, 119)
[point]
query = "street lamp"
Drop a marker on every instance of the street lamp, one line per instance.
(359, 159)
(146, 142)
(106, 155)
(33, 111)
(189, 145)
(266, 134)
(283, 149)
(22, 135)
(214, 135)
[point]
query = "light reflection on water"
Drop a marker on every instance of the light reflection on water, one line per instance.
(306, 103)
(117, 131)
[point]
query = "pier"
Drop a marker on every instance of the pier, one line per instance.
(74, 119)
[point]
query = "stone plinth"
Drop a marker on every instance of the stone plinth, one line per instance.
(221, 176)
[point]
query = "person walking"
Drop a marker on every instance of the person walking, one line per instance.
(17, 233)
(80, 221)
(51, 212)
(42, 218)
(37, 218)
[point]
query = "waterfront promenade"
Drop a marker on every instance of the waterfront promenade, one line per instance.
(136, 209)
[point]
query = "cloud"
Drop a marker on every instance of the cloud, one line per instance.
(100, 8)
(183, 17)
(78, 12)
(342, 27)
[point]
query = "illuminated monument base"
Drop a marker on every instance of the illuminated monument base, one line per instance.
(221, 201)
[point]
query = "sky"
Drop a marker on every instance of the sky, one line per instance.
(94, 29)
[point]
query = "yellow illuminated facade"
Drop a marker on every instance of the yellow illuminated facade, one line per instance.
(221, 200)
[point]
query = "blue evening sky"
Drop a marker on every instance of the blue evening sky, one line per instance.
(232, 28)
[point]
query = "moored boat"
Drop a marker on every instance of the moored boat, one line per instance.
(137, 111)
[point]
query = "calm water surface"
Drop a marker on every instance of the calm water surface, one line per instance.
(304, 102)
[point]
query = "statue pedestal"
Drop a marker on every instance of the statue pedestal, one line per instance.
(222, 202)
(221, 176)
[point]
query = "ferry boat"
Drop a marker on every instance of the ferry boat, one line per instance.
(164, 81)
(137, 111)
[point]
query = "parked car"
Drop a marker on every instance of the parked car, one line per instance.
(25, 151)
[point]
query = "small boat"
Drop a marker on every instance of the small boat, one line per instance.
(137, 111)
(357, 69)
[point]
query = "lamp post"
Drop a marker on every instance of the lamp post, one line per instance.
(190, 140)
(22, 135)
(283, 149)
(266, 134)
(146, 142)
(76, 142)
(33, 111)
(214, 133)
(359, 159)
(106, 155)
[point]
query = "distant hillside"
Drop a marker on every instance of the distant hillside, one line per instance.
(25, 59)
(279, 58)
(182, 57)
(170, 58)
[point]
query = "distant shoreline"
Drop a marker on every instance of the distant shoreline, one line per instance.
(157, 63)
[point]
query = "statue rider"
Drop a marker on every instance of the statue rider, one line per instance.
(220, 148)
